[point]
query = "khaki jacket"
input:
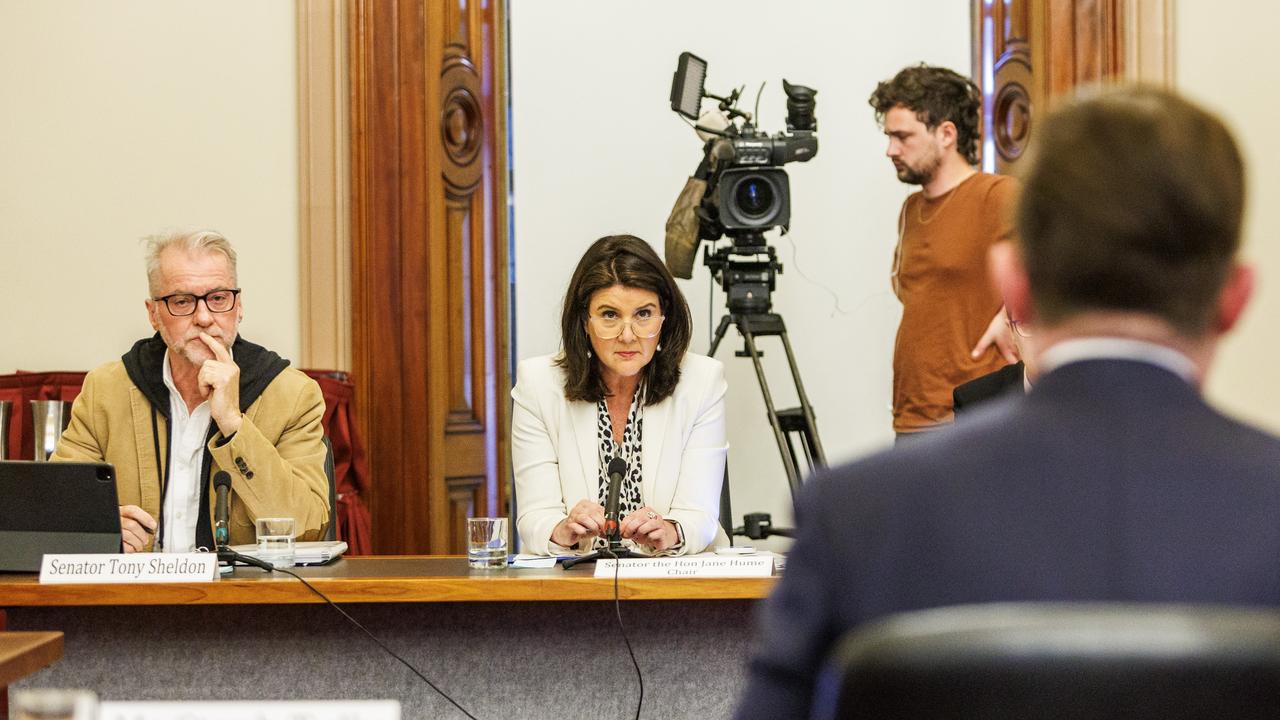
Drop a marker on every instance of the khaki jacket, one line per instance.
(276, 459)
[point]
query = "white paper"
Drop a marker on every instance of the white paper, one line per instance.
(534, 561)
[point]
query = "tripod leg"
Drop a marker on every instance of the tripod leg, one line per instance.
(720, 329)
(791, 452)
(788, 458)
(807, 447)
(814, 445)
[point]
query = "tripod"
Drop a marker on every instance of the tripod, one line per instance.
(799, 420)
(747, 270)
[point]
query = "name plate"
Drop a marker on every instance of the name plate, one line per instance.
(252, 710)
(128, 568)
(700, 566)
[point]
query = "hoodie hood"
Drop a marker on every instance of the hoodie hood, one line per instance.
(144, 364)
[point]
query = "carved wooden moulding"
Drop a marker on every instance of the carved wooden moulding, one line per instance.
(461, 123)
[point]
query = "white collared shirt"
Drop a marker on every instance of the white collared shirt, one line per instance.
(188, 432)
(1115, 348)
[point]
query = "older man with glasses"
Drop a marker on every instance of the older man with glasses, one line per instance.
(196, 399)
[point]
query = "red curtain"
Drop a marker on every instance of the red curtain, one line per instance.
(350, 468)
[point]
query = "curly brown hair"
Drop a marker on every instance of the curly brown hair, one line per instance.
(936, 95)
(628, 261)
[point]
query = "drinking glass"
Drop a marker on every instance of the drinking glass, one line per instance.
(487, 543)
(276, 540)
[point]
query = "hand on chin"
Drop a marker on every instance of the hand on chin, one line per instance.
(196, 352)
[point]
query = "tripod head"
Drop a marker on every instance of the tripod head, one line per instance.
(747, 270)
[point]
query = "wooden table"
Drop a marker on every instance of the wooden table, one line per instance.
(23, 653)
(504, 644)
(383, 580)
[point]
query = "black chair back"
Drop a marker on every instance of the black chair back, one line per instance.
(331, 532)
(1061, 661)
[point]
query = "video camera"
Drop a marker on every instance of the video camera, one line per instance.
(739, 189)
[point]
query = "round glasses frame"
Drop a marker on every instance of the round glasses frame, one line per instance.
(600, 329)
(1019, 329)
(213, 307)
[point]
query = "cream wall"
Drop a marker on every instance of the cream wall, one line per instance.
(123, 119)
(1225, 57)
(597, 150)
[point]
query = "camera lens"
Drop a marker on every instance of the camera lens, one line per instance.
(754, 196)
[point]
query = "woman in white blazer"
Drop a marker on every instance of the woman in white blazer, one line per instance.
(623, 386)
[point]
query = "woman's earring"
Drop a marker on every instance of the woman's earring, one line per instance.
(659, 348)
(588, 353)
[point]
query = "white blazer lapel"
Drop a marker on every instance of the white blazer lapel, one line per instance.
(653, 434)
(583, 417)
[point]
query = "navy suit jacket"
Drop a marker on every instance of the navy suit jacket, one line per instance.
(1111, 480)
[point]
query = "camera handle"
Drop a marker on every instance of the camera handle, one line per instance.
(728, 105)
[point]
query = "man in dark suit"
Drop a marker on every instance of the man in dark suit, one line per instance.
(1112, 480)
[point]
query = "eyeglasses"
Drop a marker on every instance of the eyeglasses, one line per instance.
(1019, 329)
(644, 324)
(184, 304)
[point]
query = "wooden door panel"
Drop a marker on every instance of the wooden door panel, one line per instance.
(465, 500)
(429, 250)
(1011, 102)
(1033, 53)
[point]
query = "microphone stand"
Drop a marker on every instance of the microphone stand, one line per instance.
(222, 486)
(615, 550)
(227, 555)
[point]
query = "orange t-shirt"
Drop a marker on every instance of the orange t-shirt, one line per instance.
(948, 300)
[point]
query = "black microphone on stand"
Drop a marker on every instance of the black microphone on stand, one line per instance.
(221, 487)
(617, 470)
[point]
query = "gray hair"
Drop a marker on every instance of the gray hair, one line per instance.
(206, 240)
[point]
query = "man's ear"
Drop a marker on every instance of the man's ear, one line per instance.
(1234, 297)
(151, 314)
(947, 134)
(1004, 262)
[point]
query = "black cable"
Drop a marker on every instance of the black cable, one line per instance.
(755, 117)
(392, 653)
(711, 306)
(617, 608)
